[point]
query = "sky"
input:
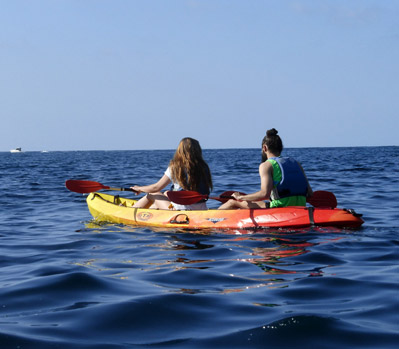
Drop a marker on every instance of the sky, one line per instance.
(142, 74)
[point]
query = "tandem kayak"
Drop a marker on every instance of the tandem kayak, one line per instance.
(116, 209)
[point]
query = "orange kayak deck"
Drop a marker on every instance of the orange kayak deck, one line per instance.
(116, 209)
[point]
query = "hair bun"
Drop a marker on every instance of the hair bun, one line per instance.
(272, 132)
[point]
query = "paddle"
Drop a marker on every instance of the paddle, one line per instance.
(320, 198)
(188, 197)
(84, 187)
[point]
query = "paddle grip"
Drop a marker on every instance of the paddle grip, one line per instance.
(123, 189)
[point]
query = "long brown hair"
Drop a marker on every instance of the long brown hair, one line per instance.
(188, 168)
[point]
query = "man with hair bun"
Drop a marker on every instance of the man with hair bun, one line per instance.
(282, 180)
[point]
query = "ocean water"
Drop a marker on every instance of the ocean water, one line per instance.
(69, 282)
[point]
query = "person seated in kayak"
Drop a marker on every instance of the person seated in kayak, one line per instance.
(283, 180)
(187, 171)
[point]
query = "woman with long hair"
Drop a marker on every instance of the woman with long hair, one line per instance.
(187, 171)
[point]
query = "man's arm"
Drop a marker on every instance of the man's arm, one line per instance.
(266, 184)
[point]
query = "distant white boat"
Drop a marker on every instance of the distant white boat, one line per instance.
(16, 150)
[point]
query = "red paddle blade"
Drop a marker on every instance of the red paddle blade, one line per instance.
(84, 187)
(322, 198)
(185, 197)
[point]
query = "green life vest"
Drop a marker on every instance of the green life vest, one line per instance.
(295, 183)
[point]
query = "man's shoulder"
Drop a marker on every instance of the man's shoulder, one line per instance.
(265, 166)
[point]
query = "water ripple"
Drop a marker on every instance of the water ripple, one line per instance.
(69, 282)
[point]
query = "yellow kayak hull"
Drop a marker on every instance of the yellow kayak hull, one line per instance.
(116, 209)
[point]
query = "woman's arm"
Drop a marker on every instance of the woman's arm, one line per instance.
(153, 188)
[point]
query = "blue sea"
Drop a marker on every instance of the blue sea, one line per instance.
(70, 282)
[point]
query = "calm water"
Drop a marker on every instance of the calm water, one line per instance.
(67, 282)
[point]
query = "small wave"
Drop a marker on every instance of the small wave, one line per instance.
(302, 331)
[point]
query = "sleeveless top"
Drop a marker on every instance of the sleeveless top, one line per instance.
(176, 187)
